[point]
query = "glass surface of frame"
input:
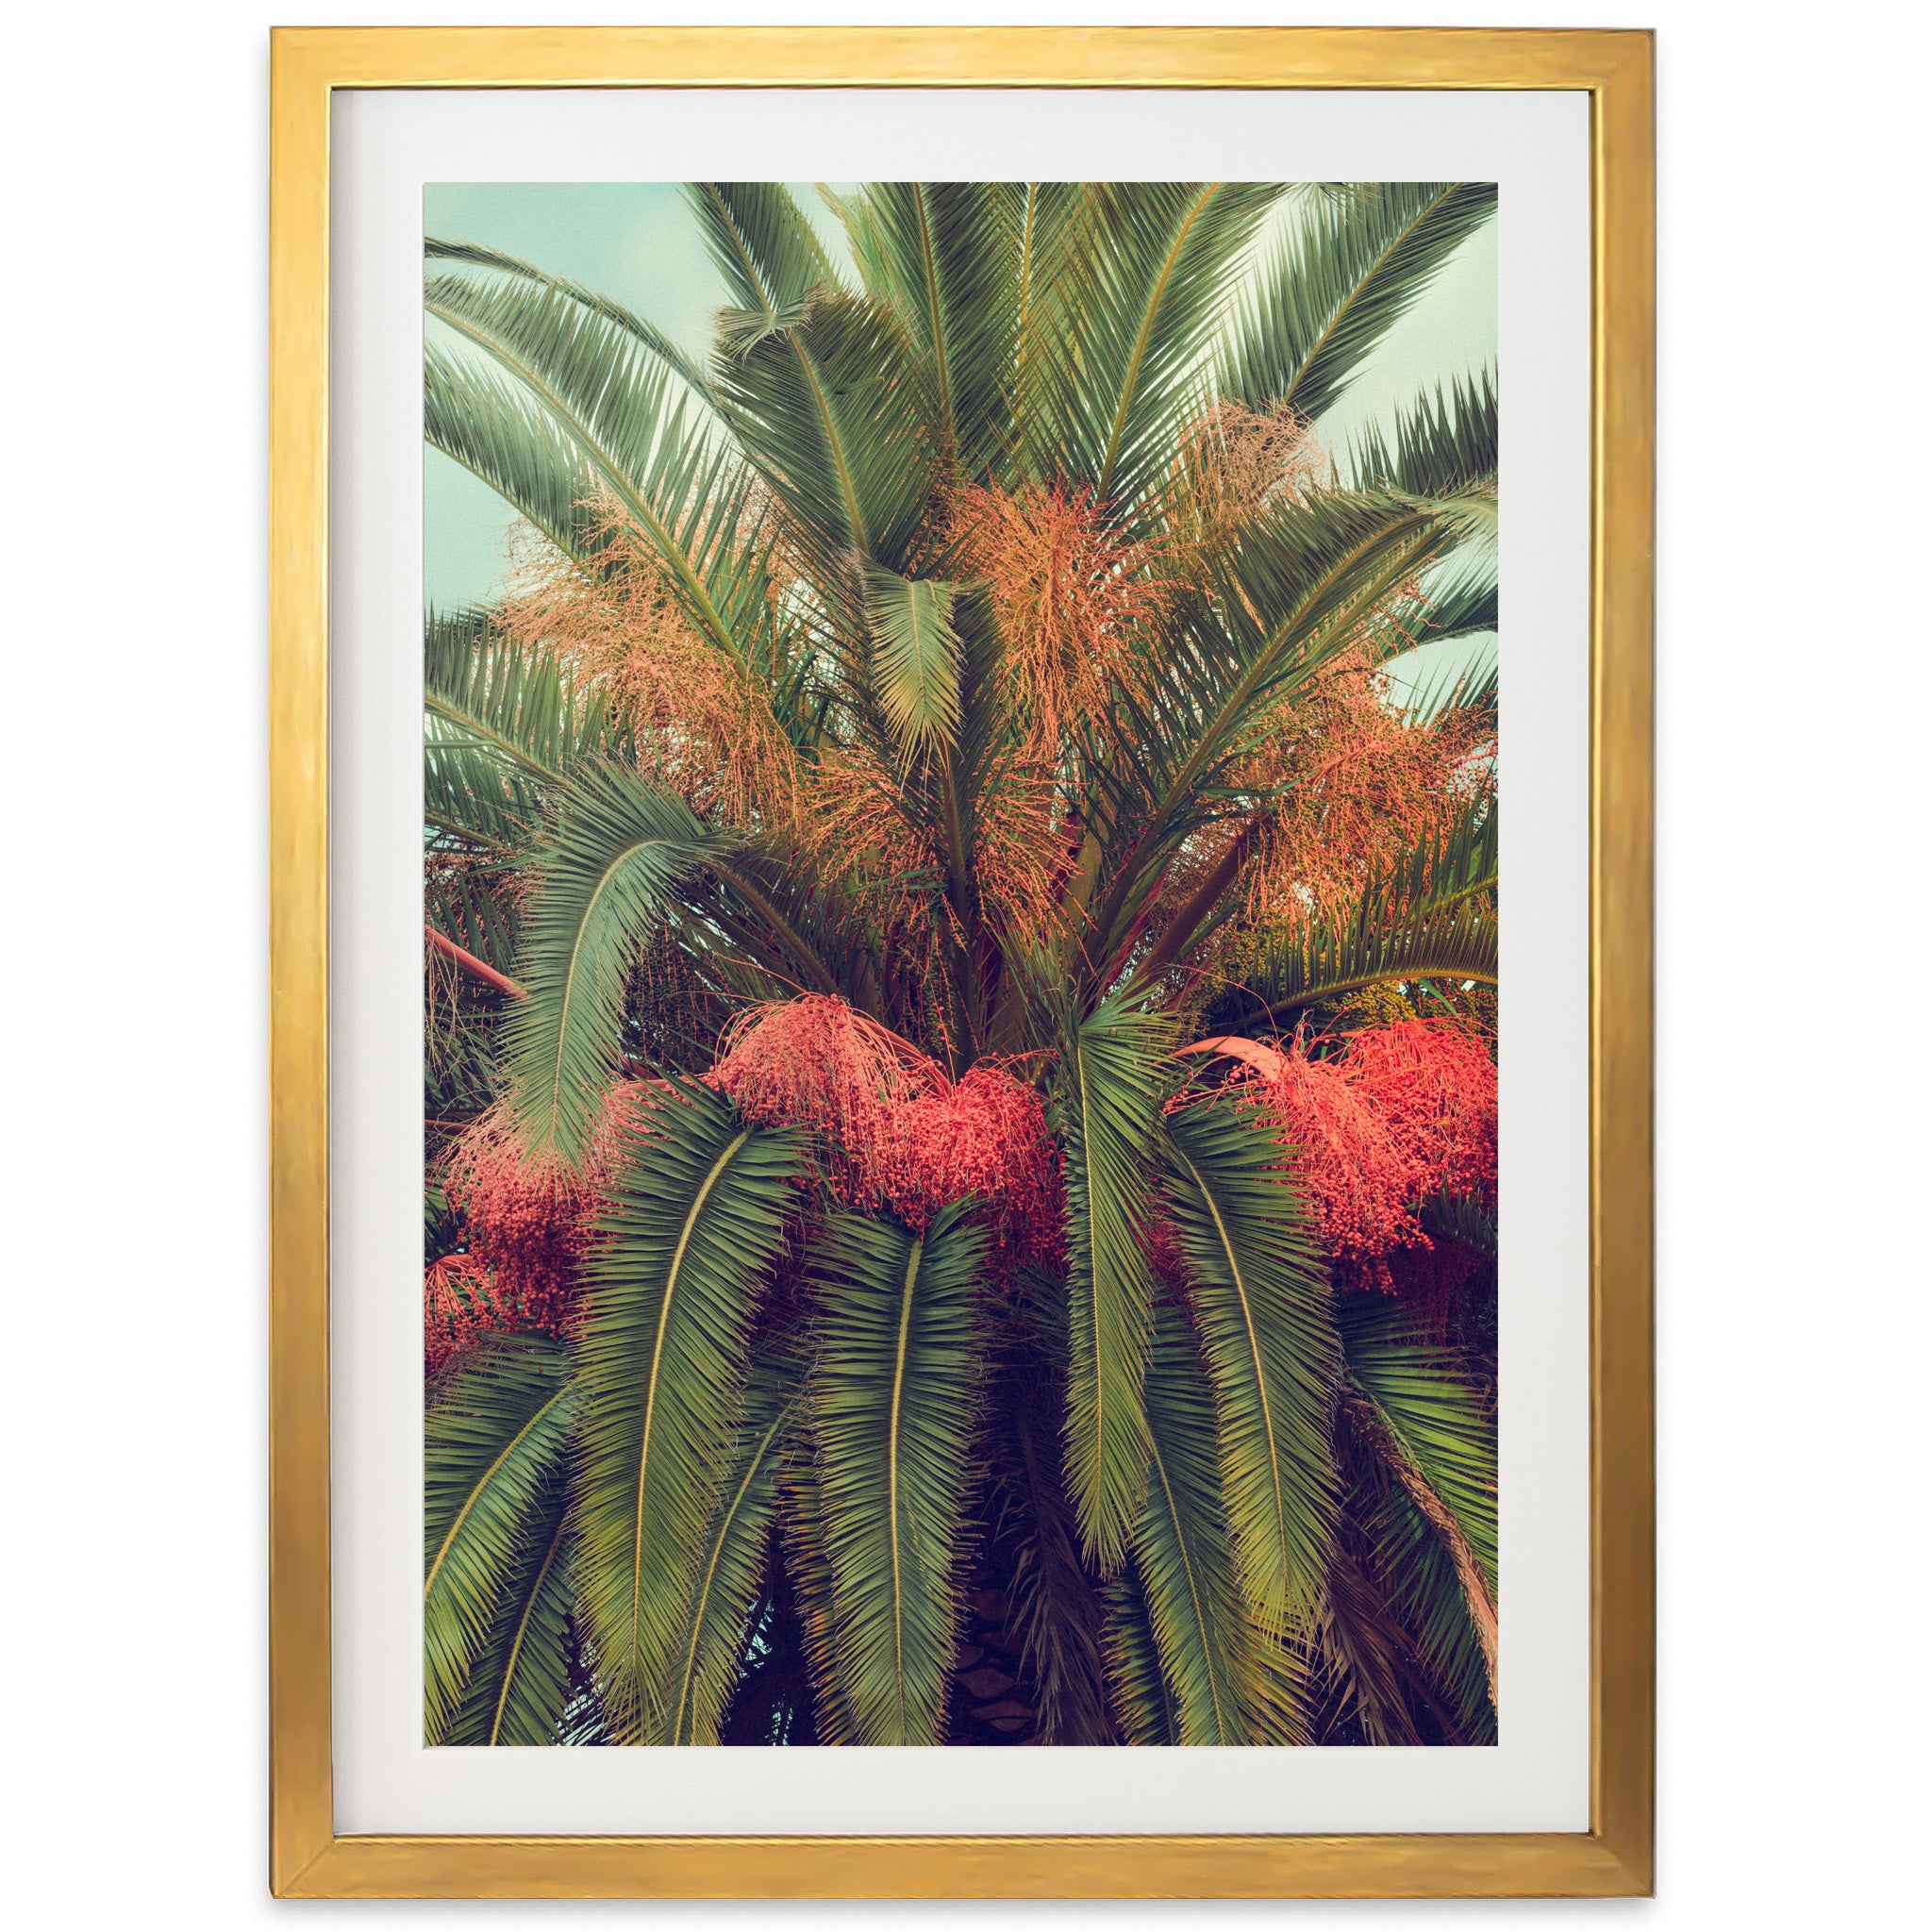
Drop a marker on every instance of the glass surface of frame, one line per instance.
(308, 1857)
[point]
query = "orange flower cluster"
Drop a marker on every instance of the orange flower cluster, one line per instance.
(901, 1134)
(1435, 1087)
(704, 728)
(1236, 462)
(1362, 786)
(1402, 1113)
(461, 1303)
(528, 1221)
(1071, 597)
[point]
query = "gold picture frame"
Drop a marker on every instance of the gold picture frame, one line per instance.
(307, 1856)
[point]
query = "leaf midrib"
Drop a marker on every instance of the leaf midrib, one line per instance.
(577, 951)
(482, 1483)
(1354, 295)
(586, 439)
(933, 307)
(1240, 1288)
(906, 1293)
(1157, 296)
(672, 1274)
(516, 1648)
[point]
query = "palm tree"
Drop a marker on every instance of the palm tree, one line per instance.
(936, 937)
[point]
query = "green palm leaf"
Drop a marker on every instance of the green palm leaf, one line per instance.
(1107, 1102)
(915, 665)
(1422, 1591)
(709, 1652)
(1434, 1421)
(1327, 959)
(1039, 221)
(1059, 1615)
(1369, 1661)
(516, 702)
(1261, 1302)
(1147, 1710)
(770, 256)
(893, 1398)
(1445, 458)
(493, 1444)
(940, 254)
(1184, 1554)
(1465, 604)
(609, 868)
(519, 1689)
(476, 255)
(835, 413)
(1426, 914)
(489, 720)
(505, 438)
(1305, 580)
(1446, 444)
(1345, 274)
(1472, 685)
(627, 424)
(695, 1221)
(802, 1524)
(1142, 278)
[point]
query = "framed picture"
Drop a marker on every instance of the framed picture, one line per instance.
(961, 1039)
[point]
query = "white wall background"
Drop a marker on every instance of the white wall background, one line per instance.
(1793, 1151)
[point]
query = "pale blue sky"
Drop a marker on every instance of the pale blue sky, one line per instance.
(638, 243)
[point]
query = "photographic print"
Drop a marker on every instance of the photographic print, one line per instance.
(960, 775)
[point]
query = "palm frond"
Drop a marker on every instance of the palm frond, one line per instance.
(516, 701)
(518, 1691)
(915, 663)
(1463, 605)
(835, 413)
(710, 1651)
(613, 854)
(1446, 444)
(1340, 279)
(1461, 1219)
(1472, 685)
(493, 1444)
(1261, 1302)
(505, 438)
(892, 1401)
(1058, 1614)
(1306, 580)
(493, 735)
(1141, 281)
(1184, 1551)
(1433, 1421)
(476, 255)
(1369, 1661)
(1039, 221)
(770, 256)
(1423, 916)
(629, 430)
(1422, 1590)
(694, 1223)
(937, 252)
(808, 1568)
(1106, 1104)
(1148, 1714)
